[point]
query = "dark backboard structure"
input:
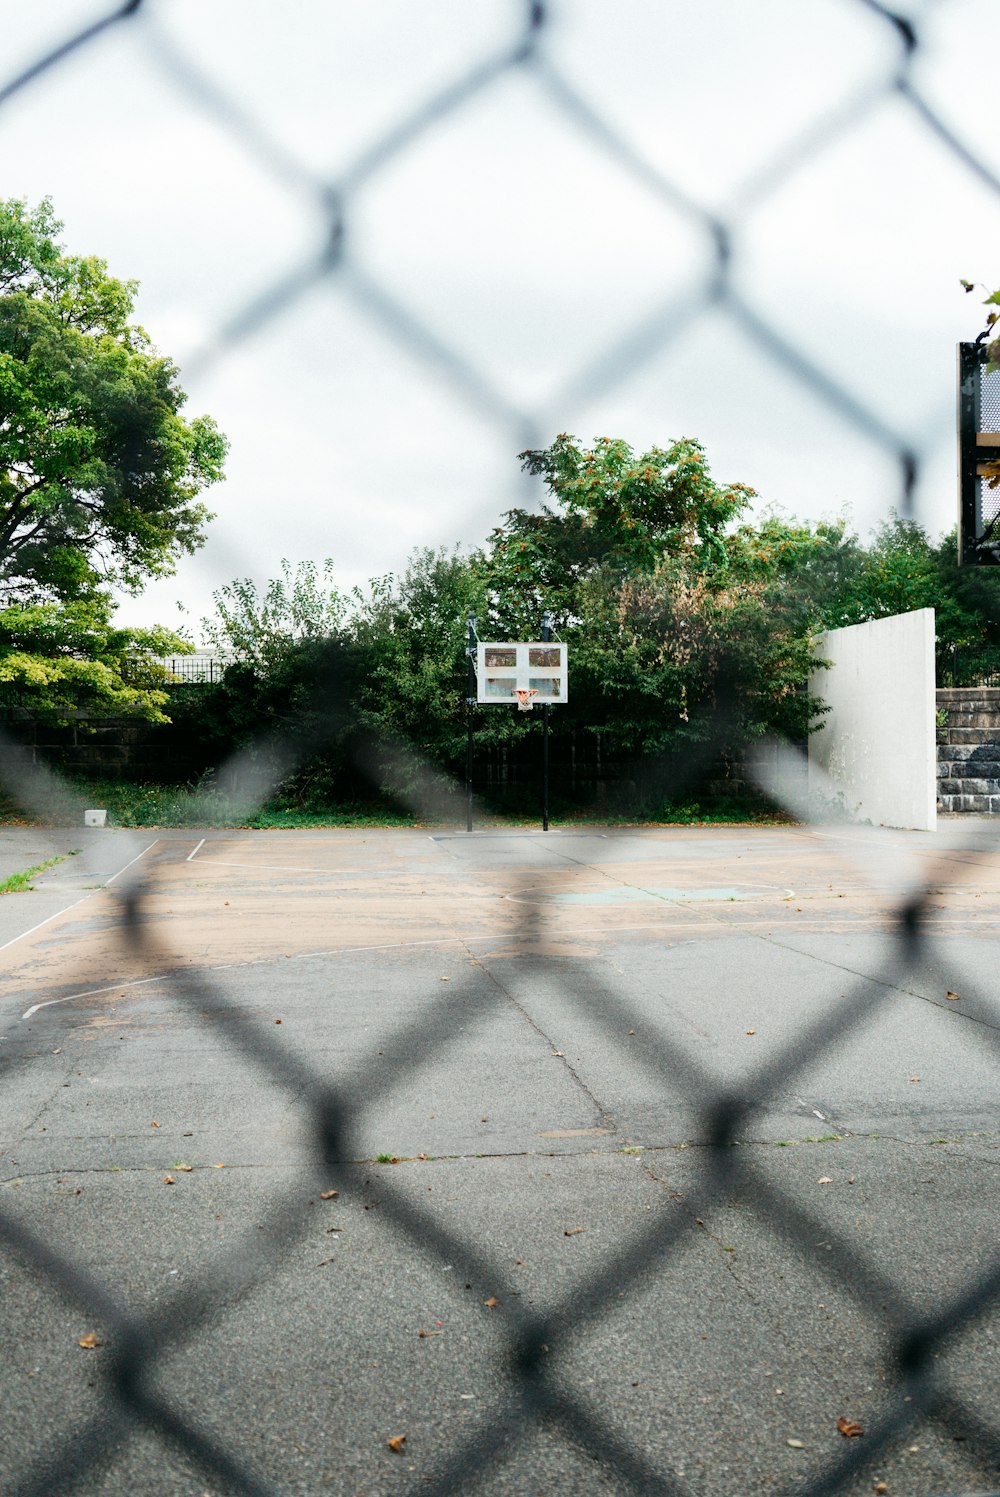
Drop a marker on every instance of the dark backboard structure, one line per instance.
(978, 458)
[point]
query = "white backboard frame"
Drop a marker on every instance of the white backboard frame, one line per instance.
(503, 668)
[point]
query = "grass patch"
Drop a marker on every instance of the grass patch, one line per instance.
(137, 805)
(204, 805)
(20, 883)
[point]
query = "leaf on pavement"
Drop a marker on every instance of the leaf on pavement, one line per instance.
(954, 997)
(572, 1231)
(424, 1334)
(91, 1340)
(492, 1302)
(329, 1195)
(825, 1180)
(849, 1427)
(796, 1444)
(396, 1443)
(169, 1180)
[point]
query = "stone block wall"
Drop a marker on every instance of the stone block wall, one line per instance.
(969, 749)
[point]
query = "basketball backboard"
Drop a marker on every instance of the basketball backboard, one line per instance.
(538, 666)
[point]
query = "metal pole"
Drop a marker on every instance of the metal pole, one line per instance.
(546, 636)
(470, 702)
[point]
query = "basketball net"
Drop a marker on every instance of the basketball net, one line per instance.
(524, 702)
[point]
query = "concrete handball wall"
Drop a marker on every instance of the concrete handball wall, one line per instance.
(877, 744)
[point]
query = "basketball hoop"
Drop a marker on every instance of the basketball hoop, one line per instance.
(524, 702)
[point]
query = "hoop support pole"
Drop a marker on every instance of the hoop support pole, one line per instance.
(546, 636)
(470, 705)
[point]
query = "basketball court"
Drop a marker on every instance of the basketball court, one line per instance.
(525, 1029)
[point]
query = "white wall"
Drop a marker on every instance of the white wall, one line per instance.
(877, 742)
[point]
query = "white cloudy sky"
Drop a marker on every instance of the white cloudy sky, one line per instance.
(523, 244)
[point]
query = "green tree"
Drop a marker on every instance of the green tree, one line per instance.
(288, 695)
(99, 478)
(63, 658)
(99, 472)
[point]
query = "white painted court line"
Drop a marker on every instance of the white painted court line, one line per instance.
(190, 856)
(49, 918)
(136, 982)
(139, 982)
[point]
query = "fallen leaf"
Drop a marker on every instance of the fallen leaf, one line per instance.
(329, 1195)
(953, 996)
(572, 1231)
(518, 1262)
(424, 1334)
(421, 1156)
(220, 1166)
(492, 1302)
(187, 1168)
(277, 1021)
(396, 1443)
(796, 1444)
(444, 979)
(558, 1054)
(825, 1180)
(881, 1487)
(169, 1180)
(631, 1031)
(57, 1052)
(914, 1078)
(849, 1427)
(91, 1340)
(154, 1124)
(751, 1031)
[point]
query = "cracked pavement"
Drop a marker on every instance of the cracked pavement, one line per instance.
(530, 1031)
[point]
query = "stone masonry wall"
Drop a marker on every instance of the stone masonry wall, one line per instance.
(968, 751)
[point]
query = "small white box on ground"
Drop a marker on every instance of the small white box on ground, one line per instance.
(95, 818)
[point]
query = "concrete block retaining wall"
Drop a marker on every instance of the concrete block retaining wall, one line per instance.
(968, 749)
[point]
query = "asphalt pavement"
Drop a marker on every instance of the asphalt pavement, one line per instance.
(522, 1044)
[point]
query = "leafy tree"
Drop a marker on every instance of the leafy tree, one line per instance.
(411, 632)
(62, 658)
(616, 511)
(260, 629)
(99, 472)
(680, 635)
(288, 695)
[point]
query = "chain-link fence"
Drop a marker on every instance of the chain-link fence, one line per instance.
(529, 1396)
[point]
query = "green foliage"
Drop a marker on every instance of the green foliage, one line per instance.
(411, 633)
(260, 630)
(291, 684)
(99, 473)
(615, 511)
(57, 659)
(680, 634)
(991, 300)
(206, 804)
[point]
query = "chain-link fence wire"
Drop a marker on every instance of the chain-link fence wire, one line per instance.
(534, 1393)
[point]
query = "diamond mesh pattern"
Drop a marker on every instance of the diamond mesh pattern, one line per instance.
(529, 1395)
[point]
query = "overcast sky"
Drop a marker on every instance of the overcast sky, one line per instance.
(554, 266)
